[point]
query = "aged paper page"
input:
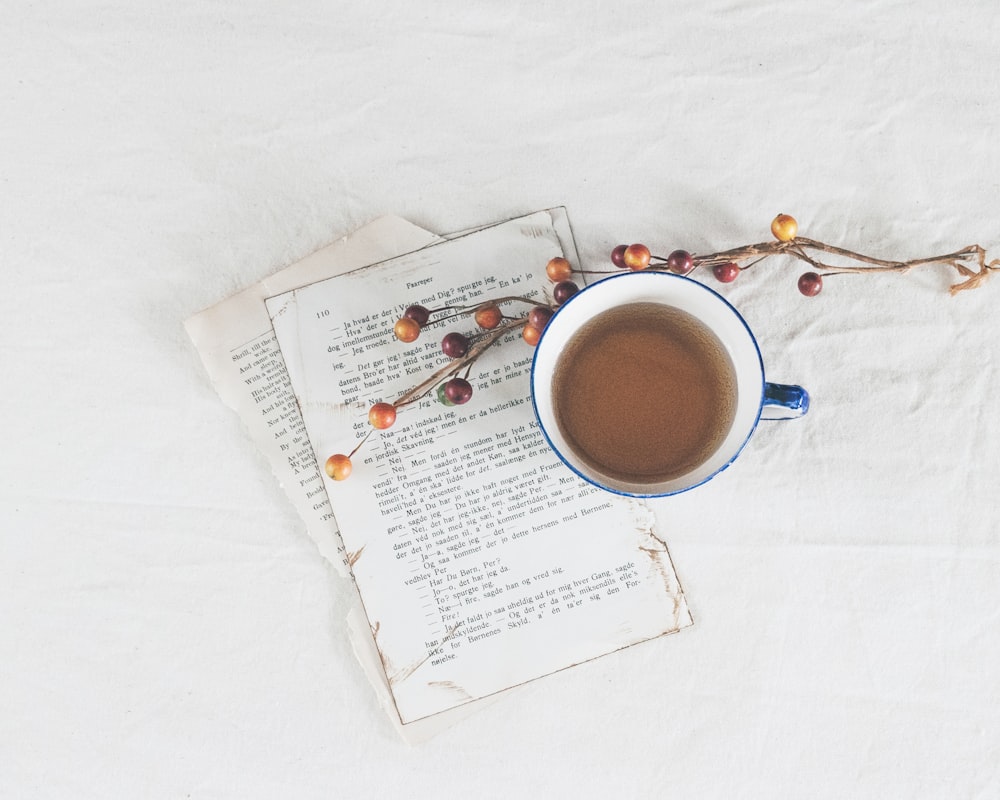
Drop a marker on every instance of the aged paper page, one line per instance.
(237, 346)
(481, 561)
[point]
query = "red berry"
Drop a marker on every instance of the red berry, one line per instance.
(539, 317)
(418, 314)
(454, 345)
(810, 284)
(726, 273)
(458, 391)
(562, 292)
(618, 256)
(680, 261)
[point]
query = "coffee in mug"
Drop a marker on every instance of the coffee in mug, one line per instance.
(644, 392)
(650, 383)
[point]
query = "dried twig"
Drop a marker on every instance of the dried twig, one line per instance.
(800, 247)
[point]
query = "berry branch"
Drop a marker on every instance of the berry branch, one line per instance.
(726, 265)
(465, 362)
(464, 351)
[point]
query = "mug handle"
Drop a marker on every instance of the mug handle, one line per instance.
(784, 401)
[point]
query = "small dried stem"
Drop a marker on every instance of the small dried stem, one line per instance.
(762, 250)
(359, 444)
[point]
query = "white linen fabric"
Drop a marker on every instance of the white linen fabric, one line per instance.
(168, 630)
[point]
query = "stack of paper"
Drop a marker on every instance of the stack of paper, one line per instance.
(481, 562)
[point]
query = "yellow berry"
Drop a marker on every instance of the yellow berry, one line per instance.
(784, 227)
(636, 256)
(338, 466)
(406, 329)
(382, 415)
(558, 269)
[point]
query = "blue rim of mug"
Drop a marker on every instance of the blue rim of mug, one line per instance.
(640, 495)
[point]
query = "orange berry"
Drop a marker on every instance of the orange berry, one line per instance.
(488, 317)
(531, 334)
(784, 228)
(636, 256)
(406, 329)
(558, 269)
(338, 466)
(382, 415)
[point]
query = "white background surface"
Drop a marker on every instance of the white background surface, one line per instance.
(167, 629)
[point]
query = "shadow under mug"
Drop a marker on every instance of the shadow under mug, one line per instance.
(756, 398)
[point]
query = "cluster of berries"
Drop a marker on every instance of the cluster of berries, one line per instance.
(638, 257)
(457, 390)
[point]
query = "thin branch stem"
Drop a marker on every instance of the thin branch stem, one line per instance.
(800, 248)
(359, 444)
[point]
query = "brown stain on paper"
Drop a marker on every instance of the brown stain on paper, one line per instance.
(656, 550)
(352, 559)
(451, 686)
(396, 676)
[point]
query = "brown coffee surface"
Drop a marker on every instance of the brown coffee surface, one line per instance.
(644, 392)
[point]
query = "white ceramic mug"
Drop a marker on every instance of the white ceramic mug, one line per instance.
(756, 398)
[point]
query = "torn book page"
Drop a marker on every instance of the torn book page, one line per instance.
(237, 346)
(482, 562)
